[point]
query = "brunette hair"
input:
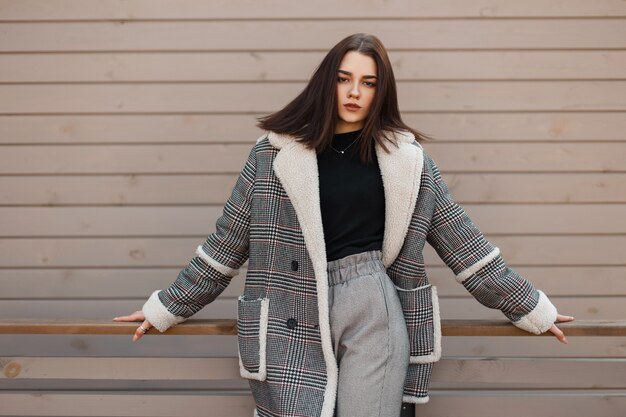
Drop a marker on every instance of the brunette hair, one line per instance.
(311, 117)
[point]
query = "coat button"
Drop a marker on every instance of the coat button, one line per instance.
(294, 265)
(291, 323)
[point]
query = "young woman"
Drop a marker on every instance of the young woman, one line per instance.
(332, 210)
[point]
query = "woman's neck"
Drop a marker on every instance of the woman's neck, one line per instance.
(345, 128)
(348, 132)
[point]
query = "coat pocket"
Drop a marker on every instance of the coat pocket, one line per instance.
(252, 317)
(421, 313)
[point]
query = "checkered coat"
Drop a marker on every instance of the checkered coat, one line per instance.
(273, 220)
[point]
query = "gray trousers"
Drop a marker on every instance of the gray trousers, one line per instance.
(369, 336)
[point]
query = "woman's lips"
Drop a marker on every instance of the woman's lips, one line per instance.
(352, 107)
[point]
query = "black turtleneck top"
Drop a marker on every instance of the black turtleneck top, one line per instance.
(352, 199)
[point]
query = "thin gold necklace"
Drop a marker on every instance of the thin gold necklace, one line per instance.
(333, 148)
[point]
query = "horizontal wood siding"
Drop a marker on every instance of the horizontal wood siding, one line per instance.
(123, 126)
(502, 379)
(98, 10)
(599, 403)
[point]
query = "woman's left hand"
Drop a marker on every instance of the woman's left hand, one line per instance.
(557, 332)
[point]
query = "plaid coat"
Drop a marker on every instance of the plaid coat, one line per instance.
(273, 220)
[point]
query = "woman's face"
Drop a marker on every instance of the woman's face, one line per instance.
(356, 85)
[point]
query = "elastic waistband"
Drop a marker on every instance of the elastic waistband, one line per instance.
(352, 266)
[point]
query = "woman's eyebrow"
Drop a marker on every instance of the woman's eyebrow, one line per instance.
(365, 76)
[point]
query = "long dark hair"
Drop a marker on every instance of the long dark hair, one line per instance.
(311, 117)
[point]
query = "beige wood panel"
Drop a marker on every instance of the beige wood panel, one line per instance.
(129, 403)
(116, 159)
(583, 308)
(119, 189)
(82, 385)
(132, 368)
(429, 96)
(195, 158)
(240, 128)
(141, 128)
(519, 126)
(506, 157)
(237, 35)
(534, 347)
(298, 66)
(522, 403)
(449, 373)
(554, 250)
(573, 187)
(170, 346)
(553, 280)
(533, 373)
(196, 221)
(192, 9)
(597, 403)
(172, 251)
(139, 282)
(130, 190)
(221, 308)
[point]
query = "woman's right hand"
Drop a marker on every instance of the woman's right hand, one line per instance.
(136, 316)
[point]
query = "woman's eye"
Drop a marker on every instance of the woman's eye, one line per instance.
(367, 83)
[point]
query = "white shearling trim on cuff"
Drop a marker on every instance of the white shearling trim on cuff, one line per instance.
(541, 318)
(158, 315)
(415, 400)
(465, 274)
(223, 269)
(263, 320)
(435, 355)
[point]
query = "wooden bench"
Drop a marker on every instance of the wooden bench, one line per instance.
(601, 381)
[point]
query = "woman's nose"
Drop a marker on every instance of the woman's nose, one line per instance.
(354, 91)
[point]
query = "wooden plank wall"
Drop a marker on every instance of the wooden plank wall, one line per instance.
(123, 126)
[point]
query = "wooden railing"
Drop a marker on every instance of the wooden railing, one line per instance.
(593, 386)
(229, 327)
